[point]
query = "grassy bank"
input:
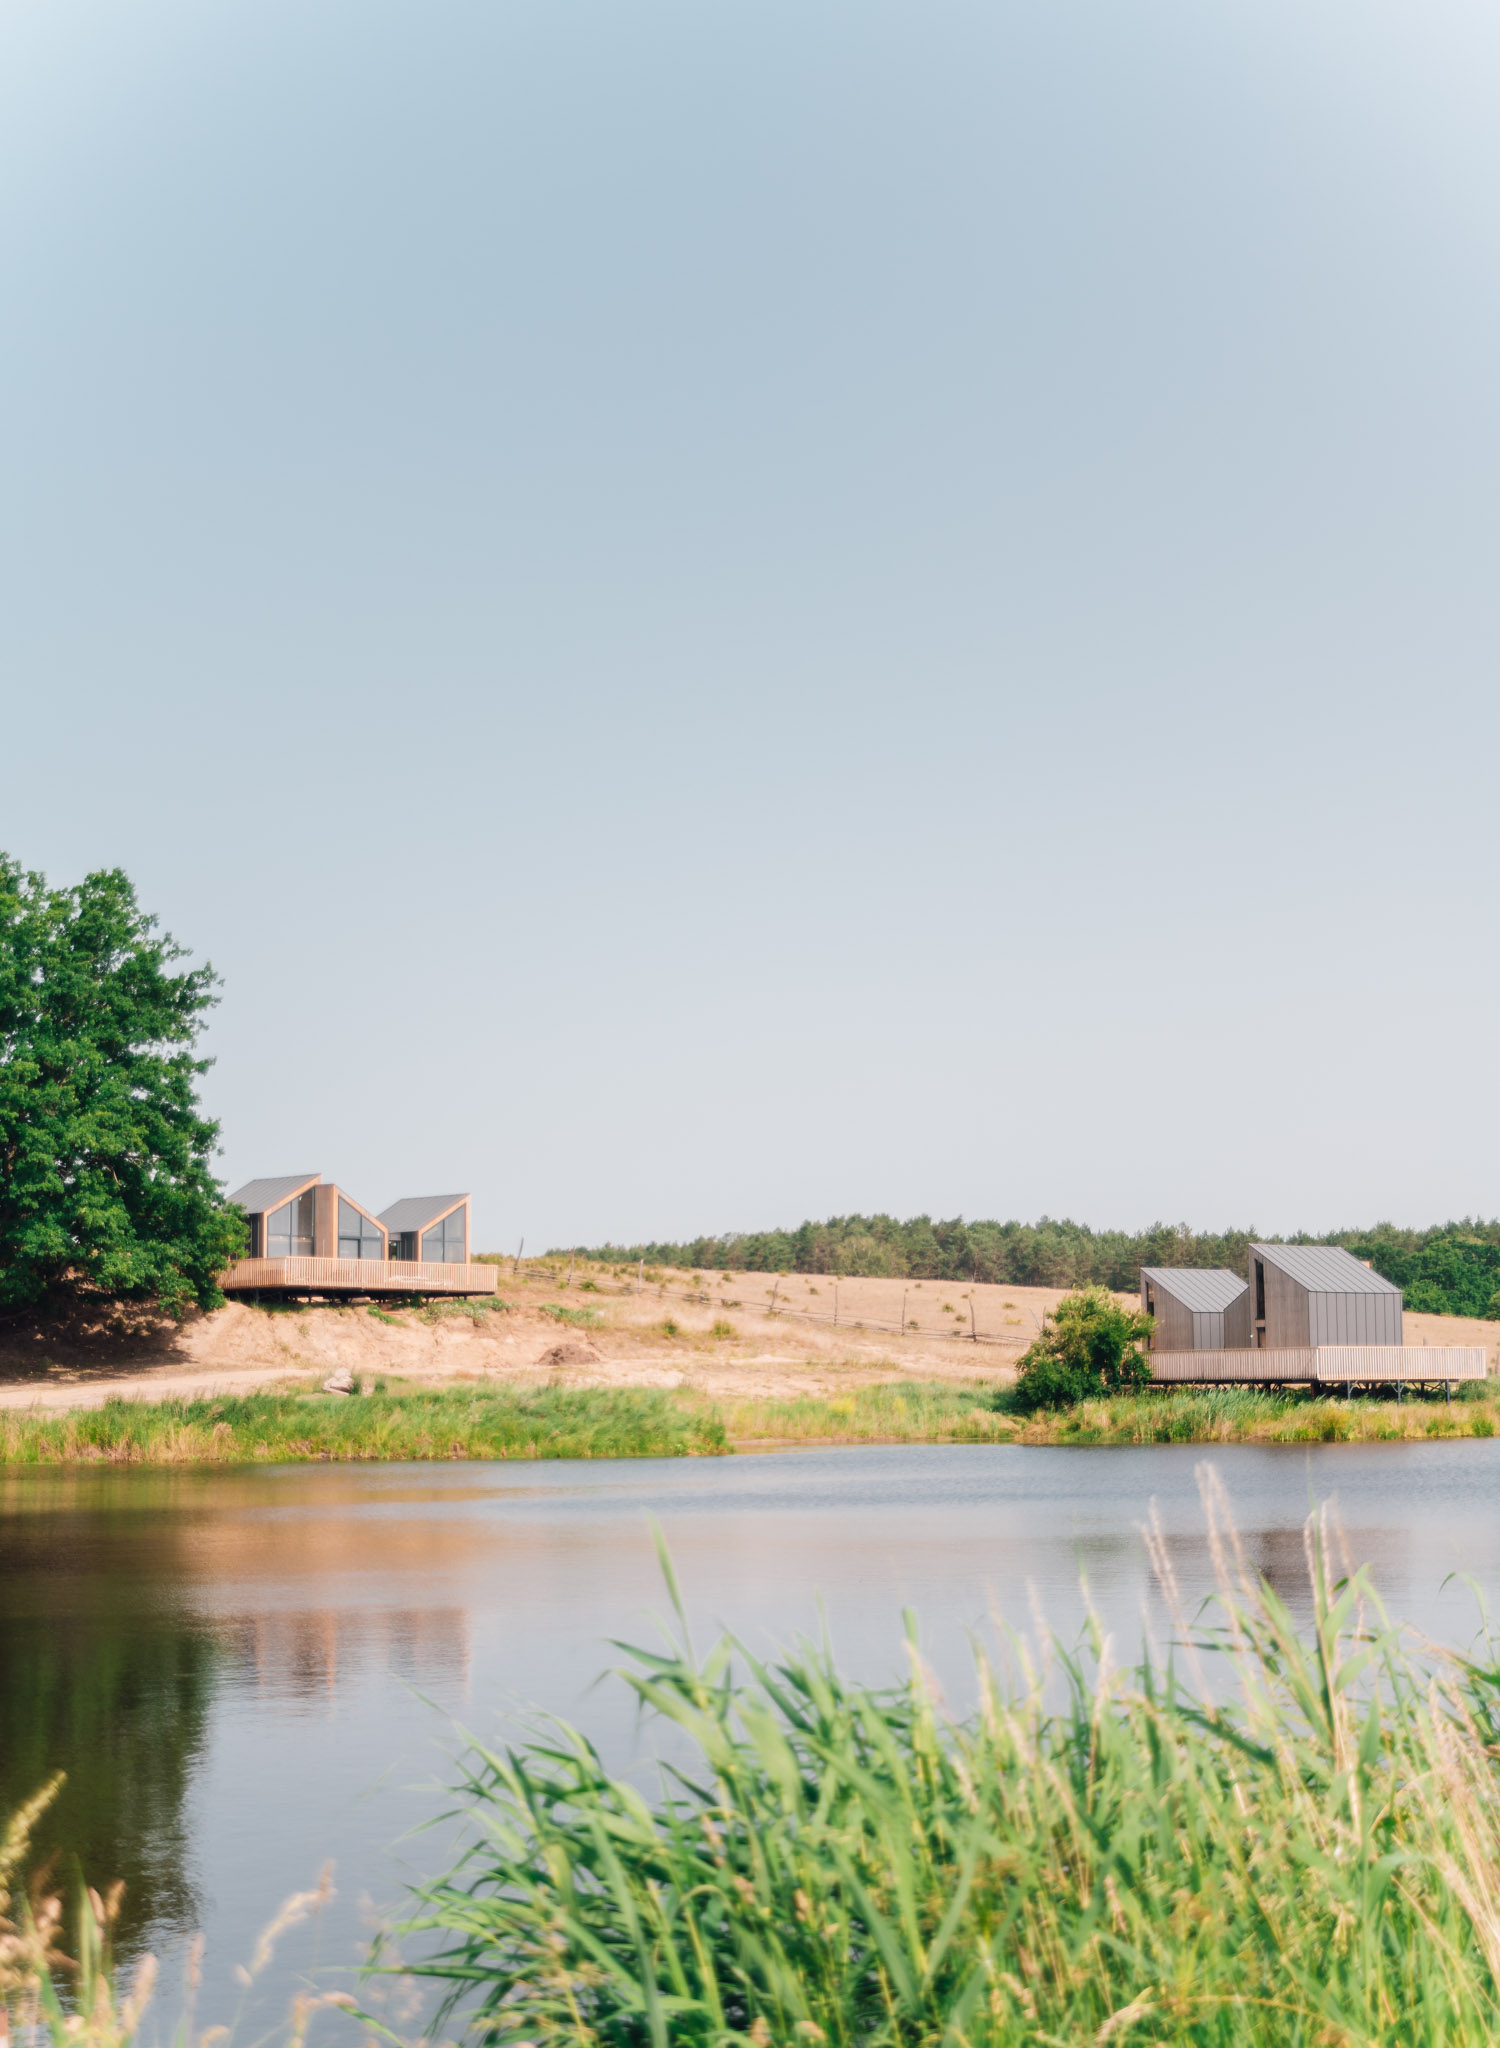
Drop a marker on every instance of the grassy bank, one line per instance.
(1312, 1861)
(595, 1422)
(1227, 1415)
(937, 1412)
(413, 1423)
(897, 1411)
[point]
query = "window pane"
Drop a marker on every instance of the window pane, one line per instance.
(443, 1244)
(289, 1229)
(351, 1223)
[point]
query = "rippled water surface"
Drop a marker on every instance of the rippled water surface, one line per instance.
(246, 1674)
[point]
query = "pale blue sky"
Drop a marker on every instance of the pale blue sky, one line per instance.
(716, 613)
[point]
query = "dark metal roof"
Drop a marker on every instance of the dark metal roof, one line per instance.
(1204, 1289)
(257, 1195)
(1324, 1269)
(415, 1212)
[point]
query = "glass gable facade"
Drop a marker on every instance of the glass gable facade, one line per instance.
(289, 1229)
(359, 1238)
(443, 1245)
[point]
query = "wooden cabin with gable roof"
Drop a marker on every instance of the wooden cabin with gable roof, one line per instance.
(1197, 1308)
(309, 1237)
(432, 1228)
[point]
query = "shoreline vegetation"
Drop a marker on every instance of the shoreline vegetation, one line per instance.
(1269, 1836)
(392, 1422)
(1300, 1849)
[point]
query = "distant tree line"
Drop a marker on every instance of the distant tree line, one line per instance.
(1451, 1269)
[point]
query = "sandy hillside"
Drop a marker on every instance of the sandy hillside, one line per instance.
(746, 1333)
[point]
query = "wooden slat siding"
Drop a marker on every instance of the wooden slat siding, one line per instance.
(1400, 1362)
(1390, 1319)
(1230, 1367)
(1333, 1363)
(1288, 1324)
(1208, 1330)
(1356, 1319)
(359, 1276)
(1174, 1322)
(1237, 1321)
(326, 1221)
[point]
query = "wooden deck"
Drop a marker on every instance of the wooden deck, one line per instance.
(394, 1277)
(1325, 1365)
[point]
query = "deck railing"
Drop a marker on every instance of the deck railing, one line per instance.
(1323, 1364)
(358, 1276)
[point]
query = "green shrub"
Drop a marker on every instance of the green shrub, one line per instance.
(1088, 1348)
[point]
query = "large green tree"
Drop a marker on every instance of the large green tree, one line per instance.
(104, 1158)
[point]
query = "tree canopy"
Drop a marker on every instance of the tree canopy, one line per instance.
(104, 1156)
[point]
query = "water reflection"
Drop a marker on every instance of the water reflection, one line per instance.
(135, 1609)
(305, 1655)
(247, 1673)
(120, 1702)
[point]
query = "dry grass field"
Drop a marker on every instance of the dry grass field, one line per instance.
(735, 1335)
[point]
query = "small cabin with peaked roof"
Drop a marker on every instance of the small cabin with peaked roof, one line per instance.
(1197, 1308)
(431, 1228)
(282, 1207)
(1312, 1294)
(302, 1216)
(311, 1239)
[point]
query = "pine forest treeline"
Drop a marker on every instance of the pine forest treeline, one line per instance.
(1451, 1269)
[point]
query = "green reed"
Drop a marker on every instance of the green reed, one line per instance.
(1301, 1849)
(1292, 1415)
(410, 1423)
(891, 1411)
(491, 1421)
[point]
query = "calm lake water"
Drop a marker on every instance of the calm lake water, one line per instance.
(247, 1674)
